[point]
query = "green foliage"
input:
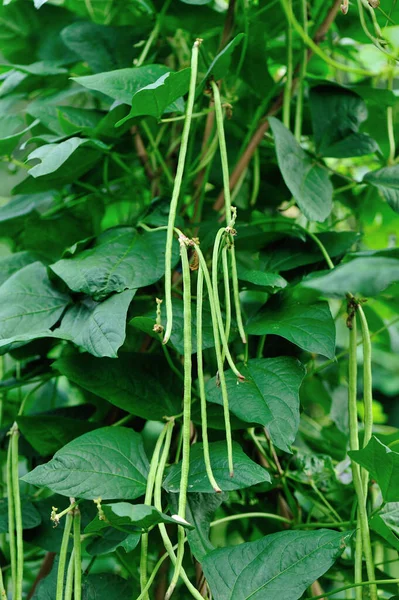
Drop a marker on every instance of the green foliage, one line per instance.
(262, 435)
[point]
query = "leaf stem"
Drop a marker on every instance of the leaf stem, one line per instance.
(63, 556)
(176, 193)
(288, 80)
(250, 515)
(354, 585)
(302, 75)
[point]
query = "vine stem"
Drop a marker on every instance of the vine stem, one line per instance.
(63, 556)
(315, 48)
(77, 550)
(185, 467)
(153, 35)
(176, 192)
(390, 123)
(147, 500)
(201, 384)
(158, 505)
(218, 351)
(354, 585)
(288, 80)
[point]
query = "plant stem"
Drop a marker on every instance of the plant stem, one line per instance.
(288, 80)
(77, 548)
(17, 511)
(256, 178)
(157, 153)
(354, 445)
(69, 578)
(147, 500)
(185, 467)
(315, 48)
(223, 150)
(63, 556)
(201, 384)
(176, 192)
(354, 585)
(302, 75)
(153, 35)
(227, 298)
(3, 595)
(390, 123)
(250, 515)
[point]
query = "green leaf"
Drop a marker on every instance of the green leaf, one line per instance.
(270, 282)
(103, 586)
(30, 516)
(15, 262)
(109, 539)
(135, 382)
(121, 259)
(108, 462)
(383, 465)
(366, 276)
(246, 472)
(122, 84)
(309, 326)
(269, 396)
(12, 128)
(200, 511)
(48, 433)
(221, 63)
(29, 303)
(337, 114)
(154, 98)
(104, 48)
(98, 327)
(385, 524)
(387, 181)
(129, 517)
(281, 565)
(53, 156)
(307, 181)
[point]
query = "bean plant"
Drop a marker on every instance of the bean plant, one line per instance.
(199, 318)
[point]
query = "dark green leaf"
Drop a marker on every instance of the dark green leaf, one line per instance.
(30, 516)
(387, 181)
(309, 326)
(307, 181)
(53, 156)
(221, 63)
(337, 114)
(121, 259)
(48, 433)
(109, 463)
(281, 565)
(383, 465)
(271, 282)
(153, 99)
(104, 586)
(365, 276)
(109, 539)
(246, 472)
(15, 262)
(98, 327)
(134, 382)
(269, 396)
(12, 128)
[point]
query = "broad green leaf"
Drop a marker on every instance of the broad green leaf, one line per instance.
(109, 463)
(109, 539)
(74, 120)
(104, 48)
(281, 565)
(122, 84)
(221, 63)
(271, 282)
(309, 326)
(98, 327)
(135, 382)
(30, 516)
(104, 586)
(29, 303)
(366, 276)
(146, 324)
(307, 181)
(387, 181)
(129, 517)
(121, 258)
(337, 114)
(269, 396)
(40, 68)
(53, 156)
(154, 98)
(200, 511)
(15, 262)
(246, 472)
(385, 523)
(383, 465)
(48, 433)
(12, 128)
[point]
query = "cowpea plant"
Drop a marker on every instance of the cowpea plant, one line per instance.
(199, 322)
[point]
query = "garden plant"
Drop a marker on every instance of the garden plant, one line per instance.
(199, 309)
